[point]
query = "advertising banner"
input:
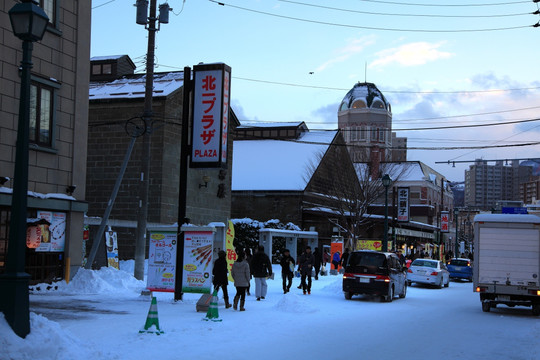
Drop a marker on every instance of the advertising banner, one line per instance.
(198, 254)
(111, 240)
(162, 261)
(53, 237)
(229, 248)
(211, 98)
(336, 247)
(371, 245)
(403, 204)
(444, 222)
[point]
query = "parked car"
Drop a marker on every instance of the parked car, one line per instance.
(428, 271)
(460, 269)
(374, 273)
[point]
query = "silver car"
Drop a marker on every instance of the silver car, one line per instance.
(428, 271)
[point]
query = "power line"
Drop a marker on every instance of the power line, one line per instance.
(369, 27)
(106, 3)
(403, 15)
(445, 5)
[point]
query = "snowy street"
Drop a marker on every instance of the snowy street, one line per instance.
(98, 316)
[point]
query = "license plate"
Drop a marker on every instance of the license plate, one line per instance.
(364, 280)
(503, 297)
(458, 268)
(421, 271)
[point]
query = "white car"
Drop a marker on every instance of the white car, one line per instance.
(428, 271)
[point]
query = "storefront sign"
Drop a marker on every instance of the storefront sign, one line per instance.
(371, 245)
(198, 251)
(403, 204)
(444, 222)
(53, 237)
(211, 101)
(162, 261)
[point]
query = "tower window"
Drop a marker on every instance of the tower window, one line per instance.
(377, 104)
(359, 104)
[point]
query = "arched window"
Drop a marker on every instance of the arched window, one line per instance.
(359, 104)
(343, 106)
(377, 104)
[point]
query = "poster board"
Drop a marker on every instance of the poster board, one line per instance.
(229, 248)
(198, 254)
(162, 261)
(336, 246)
(111, 242)
(53, 237)
(371, 245)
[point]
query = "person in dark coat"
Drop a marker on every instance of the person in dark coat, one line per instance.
(336, 259)
(305, 265)
(220, 273)
(318, 260)
(345, 257)
(287, 270)
(248, 259)
(261, 268)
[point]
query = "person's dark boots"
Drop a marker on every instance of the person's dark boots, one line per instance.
(242, 305)
(235, 302)
(227, 305)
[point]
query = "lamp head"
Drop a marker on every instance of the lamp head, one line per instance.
(386, 180)
(28, 21)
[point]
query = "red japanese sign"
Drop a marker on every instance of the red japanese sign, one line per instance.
(211, 99)
(444, 221)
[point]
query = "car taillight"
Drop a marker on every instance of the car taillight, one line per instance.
(434, 273)
(468, 264)
(382, 278)
(480, 289)
(348, 276)
(534, 292)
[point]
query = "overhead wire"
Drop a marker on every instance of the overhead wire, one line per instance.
(448, 4)
(370, 27)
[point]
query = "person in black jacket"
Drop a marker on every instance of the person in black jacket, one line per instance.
(287, 270)
(220, 273)
(305, 264)
(261, 268)
(318, 260)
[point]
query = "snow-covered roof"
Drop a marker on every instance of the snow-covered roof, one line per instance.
(509, 218)
(270, 124)
(134, 86)
(367, 92)
(108, 57)
(278, 164)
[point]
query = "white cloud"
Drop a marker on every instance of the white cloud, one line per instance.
(412, 54)
(354, 46)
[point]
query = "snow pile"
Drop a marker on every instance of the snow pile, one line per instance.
(107, 280)
(295, 304)
(54, 343)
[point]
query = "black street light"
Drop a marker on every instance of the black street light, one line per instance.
(456, 217)
(386, 181)
(28, 22)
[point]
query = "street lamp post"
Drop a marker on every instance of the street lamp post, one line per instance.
(386, 181)
(456, 215)
(28, 22)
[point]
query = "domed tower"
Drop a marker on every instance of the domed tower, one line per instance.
(365, 118)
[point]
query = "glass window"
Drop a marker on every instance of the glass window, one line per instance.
(373, 136)
(358, 104)
(107, 69)
(343, 106)
(48, 6)
(96, 69)
(377, 104)
(41, 107)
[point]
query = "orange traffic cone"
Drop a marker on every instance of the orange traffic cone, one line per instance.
(152, 321)
(212, 313)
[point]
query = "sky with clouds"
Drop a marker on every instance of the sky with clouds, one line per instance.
(439, 63)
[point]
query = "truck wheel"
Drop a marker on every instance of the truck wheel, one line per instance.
(486, 306)
(536, 309)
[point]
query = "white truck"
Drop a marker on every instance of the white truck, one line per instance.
(507, 260)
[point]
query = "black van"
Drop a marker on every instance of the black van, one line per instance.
(376, 273)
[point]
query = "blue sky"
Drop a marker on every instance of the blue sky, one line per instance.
(438, 62)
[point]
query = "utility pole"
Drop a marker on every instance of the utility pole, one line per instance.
(142, 218)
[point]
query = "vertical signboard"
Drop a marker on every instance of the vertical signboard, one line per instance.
(198, 251)
(403, 204)
(211, 101)
(229, 247)
(444, 221)
(111, 240)
(162, 261)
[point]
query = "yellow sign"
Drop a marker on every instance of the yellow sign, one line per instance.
(229, 248)
(371, 245)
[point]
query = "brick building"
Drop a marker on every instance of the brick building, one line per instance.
(58, 134)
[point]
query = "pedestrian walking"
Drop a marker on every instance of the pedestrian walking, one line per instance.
(305, 265)
(287, 270)
(261, 268)
(220, 273)
(248, 259)
(317, 256)
(241, 276)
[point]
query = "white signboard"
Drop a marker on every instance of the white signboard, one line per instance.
(403, 204)
(54, 239)
(162, 261)
(211, 100)
(198, 253)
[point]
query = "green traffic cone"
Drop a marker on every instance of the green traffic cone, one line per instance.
(212, 313)
(152, 321)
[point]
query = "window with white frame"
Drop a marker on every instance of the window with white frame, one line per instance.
(41, 114)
